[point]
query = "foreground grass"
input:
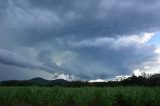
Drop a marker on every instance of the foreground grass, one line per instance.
(58, 96)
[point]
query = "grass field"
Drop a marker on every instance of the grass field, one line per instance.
(58, 96)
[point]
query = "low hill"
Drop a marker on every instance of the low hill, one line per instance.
(39, 81)
(59, 82)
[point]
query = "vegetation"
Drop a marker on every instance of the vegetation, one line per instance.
(144, 80)
(133, 91)
(86, 96)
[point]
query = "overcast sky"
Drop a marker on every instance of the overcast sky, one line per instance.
(78, 39)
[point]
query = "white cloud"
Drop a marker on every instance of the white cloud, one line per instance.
(157, 51)
(63, 76)
(146, 37)
(98, 80)
(116, 43)
(151, 67)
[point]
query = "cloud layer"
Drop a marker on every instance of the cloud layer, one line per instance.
(11, 58)
(87, 39)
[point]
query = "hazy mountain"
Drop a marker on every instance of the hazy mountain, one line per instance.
(42, 81)
(59, 82)
(39, 80)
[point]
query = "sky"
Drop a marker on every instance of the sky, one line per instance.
(78, 40)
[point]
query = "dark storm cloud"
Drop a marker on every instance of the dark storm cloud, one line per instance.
(48, 19)
(90, 39)
(92, 18)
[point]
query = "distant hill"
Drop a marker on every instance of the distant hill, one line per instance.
(59, 82)
(39, 81)
(34, 81)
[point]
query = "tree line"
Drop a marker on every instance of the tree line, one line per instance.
(143, 80)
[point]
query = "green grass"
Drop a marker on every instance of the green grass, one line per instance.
(58, 96)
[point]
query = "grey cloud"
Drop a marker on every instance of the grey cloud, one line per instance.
(53, 27)
(83, 19)
(10, 58)
(10, 72)
(108, 57)
(46, 57)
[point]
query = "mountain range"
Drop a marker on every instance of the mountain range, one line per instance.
(42, 81)
(36, 81)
